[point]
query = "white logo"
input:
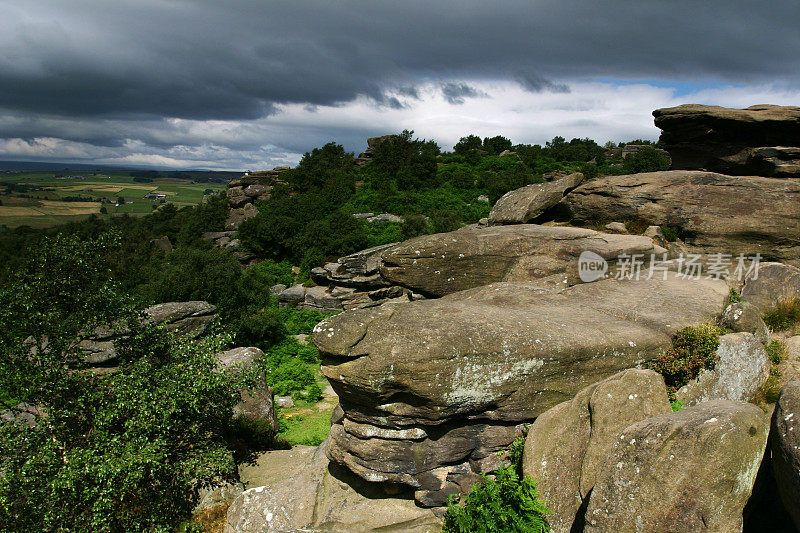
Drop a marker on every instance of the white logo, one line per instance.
(591, 266)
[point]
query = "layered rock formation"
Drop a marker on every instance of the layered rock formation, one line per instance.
(242, 192)
(431, 390)
(712, 213)
(760, 140)
(521, 206)
(365, 157)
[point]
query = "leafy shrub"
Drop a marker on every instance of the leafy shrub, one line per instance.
(784, 315)
(693, 349)
(503, 504)
(649, 159)
(414, 226)
(383, 233)
(122, 451)
(669, 233)
(734, 297)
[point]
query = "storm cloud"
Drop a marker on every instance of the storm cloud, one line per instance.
(107, 74)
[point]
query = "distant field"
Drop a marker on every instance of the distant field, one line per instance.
(37, 198)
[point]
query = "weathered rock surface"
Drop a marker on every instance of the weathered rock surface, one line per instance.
(745, 317)
(239, 358)
(523, 205)
(463, 370)
(688, 471)
(785, 446)
(753, 141)
(366, 156)
(568, 444)
(302, 491)
(444, 263)
(742, 368)
(712, 213)
(775, 282)
(258, 403)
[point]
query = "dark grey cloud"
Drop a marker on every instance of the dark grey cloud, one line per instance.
(68, 67)
(455, 93)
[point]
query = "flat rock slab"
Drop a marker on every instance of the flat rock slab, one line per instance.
(775, 282)
(712, 213)
(444, 263)
(495, 355)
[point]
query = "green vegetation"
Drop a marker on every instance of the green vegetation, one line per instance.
(118, 451)
(693, 349)
(734, 296)
(785, 315)
(503, 504)
(44, 199)
(770, 390)
(310, 428)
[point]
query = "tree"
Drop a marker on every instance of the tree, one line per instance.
(468, 144)
(496, 145)
(410, 163)
(119, 451)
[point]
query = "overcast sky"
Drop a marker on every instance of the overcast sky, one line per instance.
(250, 84)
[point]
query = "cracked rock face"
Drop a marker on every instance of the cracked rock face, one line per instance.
(444, 263)
(712, 213)
(445, 382)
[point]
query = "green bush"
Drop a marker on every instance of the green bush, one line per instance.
(693, 349)
(504, 504)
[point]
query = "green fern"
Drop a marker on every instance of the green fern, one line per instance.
(504, 504)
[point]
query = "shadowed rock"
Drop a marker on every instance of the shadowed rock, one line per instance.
(758, 140)
(521, 206)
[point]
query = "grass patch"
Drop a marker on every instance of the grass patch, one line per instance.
(669, 233)
(785, 315)
(309, 429)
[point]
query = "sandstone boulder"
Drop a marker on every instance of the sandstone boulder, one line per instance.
(745, 317)
(732, 141)
(743, 366)
(463, 370)
(302, 491)
(440, 264)
(568, 444)
(775, 282)
(239, 358)
(712, 213)
(523, 205)
(688, 471)
(785, 446)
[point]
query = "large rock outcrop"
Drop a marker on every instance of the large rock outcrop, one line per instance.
(431, 390)
(761, 140)
(688, 471)
(443, 263)
(523, 205)
(302, 492)
(785, 445)
(712, 213)
(568, 444)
